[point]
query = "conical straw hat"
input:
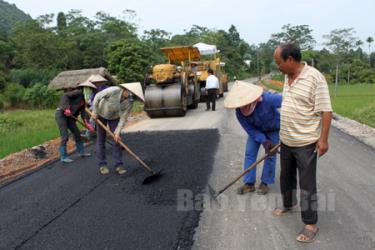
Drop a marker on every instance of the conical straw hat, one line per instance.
(241, 94)
(97, 78)
(135, 88)
(87, 83)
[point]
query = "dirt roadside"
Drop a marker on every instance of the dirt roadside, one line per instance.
(32, 158)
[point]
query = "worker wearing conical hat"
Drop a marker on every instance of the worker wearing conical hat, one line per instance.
(72, 104)
(112, 107)
(257, 112)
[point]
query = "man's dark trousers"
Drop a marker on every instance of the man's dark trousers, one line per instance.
(304, 160)
(211, 97)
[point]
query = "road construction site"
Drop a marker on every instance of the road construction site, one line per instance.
(74, 207)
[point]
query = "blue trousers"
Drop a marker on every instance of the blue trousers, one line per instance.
(252, 148)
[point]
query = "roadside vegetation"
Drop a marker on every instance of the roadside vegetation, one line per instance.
(355, 101)
(24, 128)
(21, 129)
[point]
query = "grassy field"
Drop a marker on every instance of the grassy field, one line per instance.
(356, 102)
(27, 128)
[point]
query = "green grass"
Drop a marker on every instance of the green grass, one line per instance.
(355, 102)
(272, 86)
(26, 128)
(23, 129)
(137, 106)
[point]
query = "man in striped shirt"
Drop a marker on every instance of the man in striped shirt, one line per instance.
(305, 120)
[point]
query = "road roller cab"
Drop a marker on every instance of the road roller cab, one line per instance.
(172, 88)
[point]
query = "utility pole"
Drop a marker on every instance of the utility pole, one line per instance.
(349, 75)
(337, 78)
(259, 76)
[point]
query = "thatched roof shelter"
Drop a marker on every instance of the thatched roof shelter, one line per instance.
(71, 78)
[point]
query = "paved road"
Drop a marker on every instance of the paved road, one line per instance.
(346, 186)
(73, 207)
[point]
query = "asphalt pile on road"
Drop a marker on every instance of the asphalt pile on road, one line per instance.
(74, 207)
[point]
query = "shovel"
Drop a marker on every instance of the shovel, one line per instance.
(214, 194)
(153, 175)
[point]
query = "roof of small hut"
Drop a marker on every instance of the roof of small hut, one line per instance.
(71, 78)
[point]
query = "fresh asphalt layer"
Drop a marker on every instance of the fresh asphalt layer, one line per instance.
(72, 206)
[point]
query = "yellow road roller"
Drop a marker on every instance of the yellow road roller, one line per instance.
(172, 88)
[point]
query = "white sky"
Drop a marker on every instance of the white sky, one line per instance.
(255, 20)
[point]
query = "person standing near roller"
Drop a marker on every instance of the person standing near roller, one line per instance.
(212, 85)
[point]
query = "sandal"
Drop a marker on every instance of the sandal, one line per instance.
(307, 233)
(284, 210)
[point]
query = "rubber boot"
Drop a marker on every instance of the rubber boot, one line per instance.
(81, 149)
(63, 155)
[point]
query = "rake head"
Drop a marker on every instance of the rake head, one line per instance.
(213, 194)
(152, 178)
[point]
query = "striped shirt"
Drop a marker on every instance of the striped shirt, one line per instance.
(301, 110)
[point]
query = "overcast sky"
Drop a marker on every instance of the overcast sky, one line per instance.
(255, 20)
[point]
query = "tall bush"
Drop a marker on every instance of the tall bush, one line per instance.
(27, 77)
(13, 95)
(38, 96)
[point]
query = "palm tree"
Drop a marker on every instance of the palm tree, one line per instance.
(369, 40)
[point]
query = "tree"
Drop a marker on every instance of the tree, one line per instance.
(35, 46)
(45, 20)
(369, 40)
(114, 28)
(298, 34)
(340, 41)
(128, 59)
(156, 39)
(61, 22)
(6, 54)
(372, 59)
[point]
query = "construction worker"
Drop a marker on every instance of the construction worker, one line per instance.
(212, 85)
(72, 103)
(257, 112)
(112, 106)
(306, 116)
(89, 93)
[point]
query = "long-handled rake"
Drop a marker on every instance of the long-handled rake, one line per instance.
(214, 194)
(84, 125)
(154, 175)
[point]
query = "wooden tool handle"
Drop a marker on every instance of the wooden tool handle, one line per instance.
(120, 142)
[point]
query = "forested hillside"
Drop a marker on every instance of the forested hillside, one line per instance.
(9, 16)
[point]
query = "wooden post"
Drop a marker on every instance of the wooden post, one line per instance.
(337, 78)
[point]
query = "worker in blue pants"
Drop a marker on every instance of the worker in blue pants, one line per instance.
(257, 112)
(269, 166)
